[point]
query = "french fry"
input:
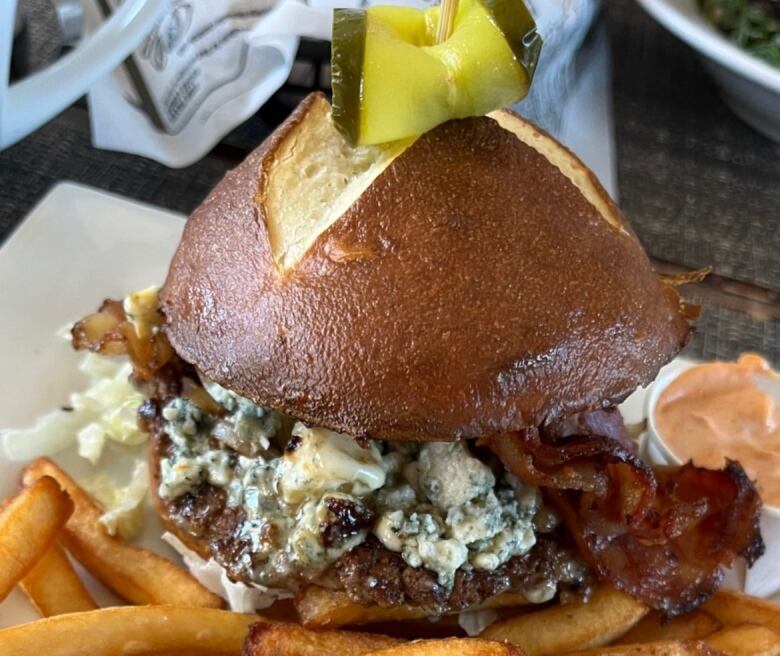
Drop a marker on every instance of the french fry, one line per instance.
(450, 647)
(746, 640)
(293, 640)
(693, 626)
(428, 628)
(560, 629)
(53, 586)
(137, 575)
(659, 648)
(131, 631)
(29, 524)
(320, 608)
(732, 608)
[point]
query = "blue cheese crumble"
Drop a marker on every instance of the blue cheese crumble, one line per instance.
(436, 504)
(444, 509)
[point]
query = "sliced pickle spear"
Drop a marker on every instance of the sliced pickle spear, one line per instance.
(391, 79)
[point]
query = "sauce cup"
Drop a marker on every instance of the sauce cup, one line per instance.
(763, 579)
(654, 448)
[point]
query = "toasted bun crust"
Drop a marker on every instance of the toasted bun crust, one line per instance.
(482, 282)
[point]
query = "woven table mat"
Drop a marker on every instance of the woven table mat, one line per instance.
(700, 187)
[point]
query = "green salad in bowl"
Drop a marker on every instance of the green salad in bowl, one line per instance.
(752, 24)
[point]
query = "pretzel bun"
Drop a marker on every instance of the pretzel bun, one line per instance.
(475, 281)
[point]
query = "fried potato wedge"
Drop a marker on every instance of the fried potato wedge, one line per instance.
(659, 648)
(560, 629)
(29, 525)
(293, 640)
(450, 647)
(746, 640)
(137, 575)
(53, 586)
(131, 631)
(320, 608)
(732, 608)
(693, 626)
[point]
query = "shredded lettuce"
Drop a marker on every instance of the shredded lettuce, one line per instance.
(123, 506)
(49, 435)
(241, 598)
(106, 410)
(91, 440)
(96, 367)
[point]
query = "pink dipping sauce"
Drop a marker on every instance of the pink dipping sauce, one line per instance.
(721, 410)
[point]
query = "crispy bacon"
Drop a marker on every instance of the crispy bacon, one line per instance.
(663, 535)
(158, 372)
(606, 423)
(579, 463)
(109, 332)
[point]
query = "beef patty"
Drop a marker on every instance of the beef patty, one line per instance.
(370, 573)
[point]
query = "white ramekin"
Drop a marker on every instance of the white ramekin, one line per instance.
(654, 448)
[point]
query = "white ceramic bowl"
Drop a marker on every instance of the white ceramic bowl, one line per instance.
(749, 85)
(654, 448)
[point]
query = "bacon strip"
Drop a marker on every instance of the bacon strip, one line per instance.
(580, 463)
(661, 534)
(605, 423)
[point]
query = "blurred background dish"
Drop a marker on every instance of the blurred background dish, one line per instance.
(753, 25)
(749, 84)
(27, 104)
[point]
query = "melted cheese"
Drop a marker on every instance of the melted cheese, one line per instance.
(329, 461)
(436, 504)
(141, 308)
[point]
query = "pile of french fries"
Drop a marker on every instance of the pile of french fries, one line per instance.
(52, 520)
(611, 623)
(52, 517)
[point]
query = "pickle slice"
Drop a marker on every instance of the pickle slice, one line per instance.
(391, 80)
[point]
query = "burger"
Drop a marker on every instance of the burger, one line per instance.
(390, 375)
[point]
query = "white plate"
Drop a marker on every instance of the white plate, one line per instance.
(749, 85)
(77, 247)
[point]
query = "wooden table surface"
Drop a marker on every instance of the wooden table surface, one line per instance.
(699, 186)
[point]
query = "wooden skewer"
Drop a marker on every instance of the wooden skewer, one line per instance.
(446, 20)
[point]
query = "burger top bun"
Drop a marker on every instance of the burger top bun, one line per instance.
(474, 281)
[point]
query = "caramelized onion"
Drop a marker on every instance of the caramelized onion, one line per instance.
(158, 372)
(109, 332)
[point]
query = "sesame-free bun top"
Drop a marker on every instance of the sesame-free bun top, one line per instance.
(475, 281)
